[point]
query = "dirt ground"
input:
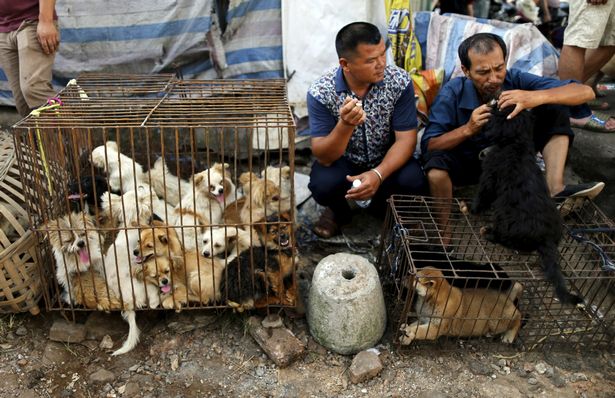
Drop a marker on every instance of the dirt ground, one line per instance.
(197, 354)
(204, 353)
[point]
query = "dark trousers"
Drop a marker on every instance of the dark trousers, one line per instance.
(329, 186)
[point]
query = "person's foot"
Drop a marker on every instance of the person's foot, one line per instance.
(587, 190)
(571, 197)
(327, 227)
(599, 122)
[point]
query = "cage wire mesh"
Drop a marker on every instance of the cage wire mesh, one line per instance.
(151, 192)
(499, 286)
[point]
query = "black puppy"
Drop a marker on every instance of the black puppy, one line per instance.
(525, 217)
(87, 190)
(252, 279)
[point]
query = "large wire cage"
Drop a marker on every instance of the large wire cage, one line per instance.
(155, 192)
(506, 298)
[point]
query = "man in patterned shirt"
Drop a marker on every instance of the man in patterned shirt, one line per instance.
(363, 125)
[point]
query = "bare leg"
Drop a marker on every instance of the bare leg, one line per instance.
(595, 59)
(441, 188)
(571, 62)
(554, 154)
(576, 63)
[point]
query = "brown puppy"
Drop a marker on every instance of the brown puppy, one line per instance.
(262, 199)
(160, 255)
(91, 291)
(170, 277)
(204, 275)
(445, 310)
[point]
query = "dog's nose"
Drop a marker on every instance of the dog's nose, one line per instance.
(81, 244)
(205, 253)
(164, 281)
(135, 252)
(220, 191)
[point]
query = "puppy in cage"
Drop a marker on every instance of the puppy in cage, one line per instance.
(525, 217)
(123, 173)
(262, 276)
(167, 186)
(445, 310)
(203, 204)
(76, 246)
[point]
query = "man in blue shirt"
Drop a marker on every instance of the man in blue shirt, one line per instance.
(363, 125)
(453, 141)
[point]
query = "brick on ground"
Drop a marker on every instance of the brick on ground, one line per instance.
(67, 332)
(280, 344)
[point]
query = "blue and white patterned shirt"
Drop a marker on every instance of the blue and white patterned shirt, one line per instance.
(389, 106)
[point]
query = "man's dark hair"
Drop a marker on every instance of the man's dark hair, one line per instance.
(481, 43)
(353, 34)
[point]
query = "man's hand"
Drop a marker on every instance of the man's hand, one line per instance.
(351, 112)
(369, 185)
(479, 118)
(521, 99)
(48, 37)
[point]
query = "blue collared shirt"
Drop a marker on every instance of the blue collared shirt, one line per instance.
(458, 98)
(389, 105)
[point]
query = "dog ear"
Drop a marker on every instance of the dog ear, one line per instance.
(244, 179)
(285, 171)
(198, 178)
(162, 237)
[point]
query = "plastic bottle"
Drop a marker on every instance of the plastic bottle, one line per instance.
(361, 203)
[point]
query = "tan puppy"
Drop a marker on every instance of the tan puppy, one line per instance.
(281, 177)
(91, 291)
(160, 255)
(262, 199)
(204, 275)
(445, 310)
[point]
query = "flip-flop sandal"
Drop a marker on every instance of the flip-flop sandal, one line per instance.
(599, 105)
(597, 123)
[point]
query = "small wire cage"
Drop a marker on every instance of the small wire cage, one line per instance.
(154, 192)
(505, 296)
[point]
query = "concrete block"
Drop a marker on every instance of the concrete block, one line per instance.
(346, 311)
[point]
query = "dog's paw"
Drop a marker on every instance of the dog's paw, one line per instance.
(407, 338)
(509, 337)
(463, 208)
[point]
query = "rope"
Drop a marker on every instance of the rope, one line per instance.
(52, 103)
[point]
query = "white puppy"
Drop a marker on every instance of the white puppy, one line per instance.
(204, 203)
(123, 173)
(224, 242)
(76, 247)
(166, 185)
(131, 210)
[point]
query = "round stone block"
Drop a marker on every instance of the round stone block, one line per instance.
(346, 311)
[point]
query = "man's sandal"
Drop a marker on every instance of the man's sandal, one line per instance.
(597, 123)
(326, 227)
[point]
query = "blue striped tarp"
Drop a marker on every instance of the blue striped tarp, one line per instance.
(440, 36)
(157, 36)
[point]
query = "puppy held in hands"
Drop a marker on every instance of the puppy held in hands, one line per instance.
(444, 310)
(525, 217)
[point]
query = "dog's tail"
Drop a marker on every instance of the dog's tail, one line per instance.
(549, 255)
(133, 333)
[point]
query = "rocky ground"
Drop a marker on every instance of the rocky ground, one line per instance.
(205, 353)
(208, 353)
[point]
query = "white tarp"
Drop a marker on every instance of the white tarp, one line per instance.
(308, 31)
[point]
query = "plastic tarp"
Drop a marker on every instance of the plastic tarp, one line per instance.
(309, 39)
(440, 36)
(182, 36)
